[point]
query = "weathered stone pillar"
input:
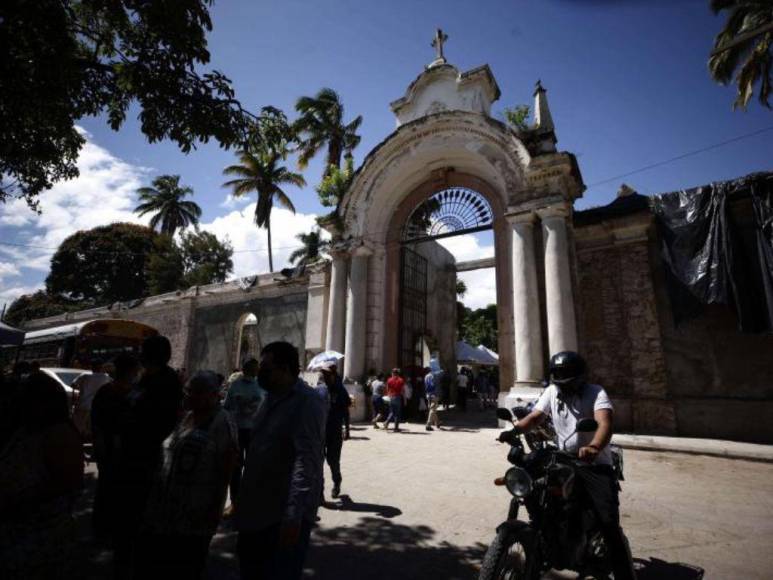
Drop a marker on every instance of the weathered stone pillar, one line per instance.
(336, 314)
(559, 299)
(526, 309)
(356, 315)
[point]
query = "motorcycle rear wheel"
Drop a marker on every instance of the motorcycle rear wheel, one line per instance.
(508, 557)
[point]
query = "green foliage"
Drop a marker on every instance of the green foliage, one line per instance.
(102, 265)
(321, 123)
(63, 60)
(336, 183)
(313, 246)
(164, 268)
(480, 326)
(205, 259)
(36, 305)
(461, 288)
(518, 117)
(739, 47)
(260, 170)
(165, 201)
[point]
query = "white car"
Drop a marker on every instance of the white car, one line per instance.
(65, 377)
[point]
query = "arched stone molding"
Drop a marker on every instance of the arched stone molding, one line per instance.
(470, 143)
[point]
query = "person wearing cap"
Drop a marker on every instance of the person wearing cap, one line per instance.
(189, 492)
(395, 392)
(337, 422)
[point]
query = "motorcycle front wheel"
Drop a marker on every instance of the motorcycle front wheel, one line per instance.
(509, 557)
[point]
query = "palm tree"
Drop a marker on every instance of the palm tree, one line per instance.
(261, 171)
(165, 201)
(313, 245)
(745, 44)
(322, 122)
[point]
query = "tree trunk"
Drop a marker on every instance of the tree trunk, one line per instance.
(270, 256)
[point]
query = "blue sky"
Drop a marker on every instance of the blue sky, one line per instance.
(627, 84)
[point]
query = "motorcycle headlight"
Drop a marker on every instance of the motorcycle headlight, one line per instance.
(518, 482)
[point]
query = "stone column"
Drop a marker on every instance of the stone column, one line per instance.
(529, 369)
(336, 313)
(559, 299)
(356, 315)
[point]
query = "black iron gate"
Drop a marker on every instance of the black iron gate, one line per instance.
(413, 309)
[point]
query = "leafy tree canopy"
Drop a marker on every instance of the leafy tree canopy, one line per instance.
(336, 183)
(102, 265)
(199, 259)
(37, 305)
(62, 60)
(480, 326)
(165, 201)
(517, 117)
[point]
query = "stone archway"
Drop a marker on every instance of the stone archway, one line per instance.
(529, 186)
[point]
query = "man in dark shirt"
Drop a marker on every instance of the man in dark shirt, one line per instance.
(337, 423)
(154, 409)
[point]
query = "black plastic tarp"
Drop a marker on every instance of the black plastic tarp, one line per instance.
(710, 256)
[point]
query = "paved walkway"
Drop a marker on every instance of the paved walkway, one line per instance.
(421, 505)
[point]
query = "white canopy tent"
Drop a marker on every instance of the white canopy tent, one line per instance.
(469, 355)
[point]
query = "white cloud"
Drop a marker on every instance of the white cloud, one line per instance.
(250, 243)
(231, 202)
(103, 193)
(8, 295)
(481, 284)
(7, 270)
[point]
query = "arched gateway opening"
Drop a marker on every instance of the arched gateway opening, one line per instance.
(447, 205)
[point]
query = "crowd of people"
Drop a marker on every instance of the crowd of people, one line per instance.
(170, 450)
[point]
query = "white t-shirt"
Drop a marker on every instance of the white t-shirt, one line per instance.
(461, 381)
(566, 411)
(88, 384)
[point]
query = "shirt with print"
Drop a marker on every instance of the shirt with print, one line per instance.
(243, 400)
(567, 410)
(189, 492)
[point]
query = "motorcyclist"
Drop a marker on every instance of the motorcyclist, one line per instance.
(568, 399)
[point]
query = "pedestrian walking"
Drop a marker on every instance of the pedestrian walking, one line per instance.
(395, 391)
(108, 413)
(337, 429)
(189, 490)
(242, 401)
(87, 385)
(154, 409)
(379, 407)
(282, 482)
(462, 382)
(482, 386)
(431, 392)
(41, 475)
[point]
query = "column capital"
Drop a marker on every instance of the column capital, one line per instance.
(555, 211)
(526, 217)
(362, 250)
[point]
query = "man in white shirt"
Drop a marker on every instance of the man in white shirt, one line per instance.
(87, 386)
(567, 400)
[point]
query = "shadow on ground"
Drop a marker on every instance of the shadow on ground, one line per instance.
(655, 569)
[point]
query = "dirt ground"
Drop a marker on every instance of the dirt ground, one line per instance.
(420, 505)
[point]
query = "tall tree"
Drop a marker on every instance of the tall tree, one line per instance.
(321, 123)
(102, 265)
(205, 259)
(261, 171)
(745, 44)
(165, 201)
(63, 60)
(313, 246)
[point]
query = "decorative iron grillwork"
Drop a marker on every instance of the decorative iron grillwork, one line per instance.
(449, 212)
(413, 308)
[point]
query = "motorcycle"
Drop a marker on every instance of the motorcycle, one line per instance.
(561, 531)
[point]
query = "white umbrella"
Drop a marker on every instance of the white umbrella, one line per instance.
(324, 360)
(10, 335)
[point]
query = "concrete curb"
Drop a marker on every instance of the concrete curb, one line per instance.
(713, 447)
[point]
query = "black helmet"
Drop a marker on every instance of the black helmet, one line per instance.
(566, 367)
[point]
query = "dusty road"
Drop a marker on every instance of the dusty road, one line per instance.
(422, 505)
